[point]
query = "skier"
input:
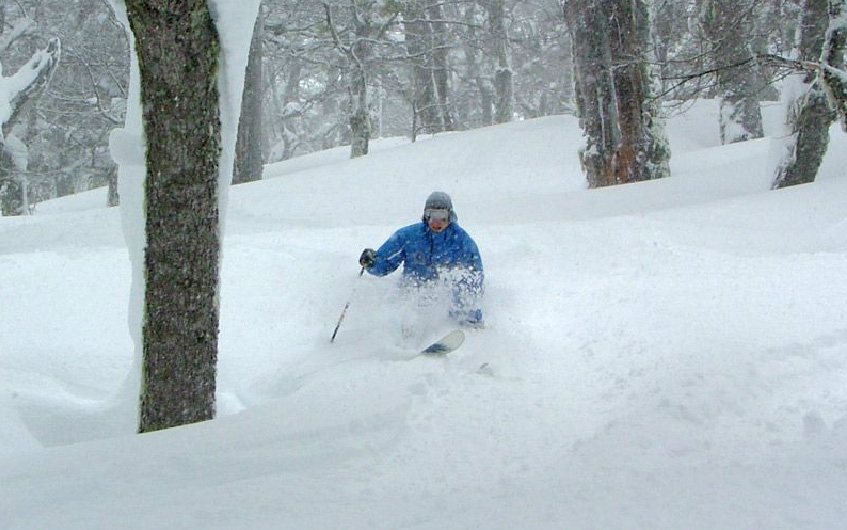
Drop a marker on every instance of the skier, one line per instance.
(436, 251)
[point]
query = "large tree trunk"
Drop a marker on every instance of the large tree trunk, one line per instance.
(810, 115)
(643, 153)
(625, 139)
(178, 52)
(248, 148)
(595, 91)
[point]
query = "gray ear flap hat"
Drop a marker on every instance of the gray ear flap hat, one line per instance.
(438, 200)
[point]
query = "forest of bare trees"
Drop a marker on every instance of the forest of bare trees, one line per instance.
(326, 73)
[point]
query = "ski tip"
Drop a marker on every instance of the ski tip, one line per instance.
(447, 344)
(436, 349)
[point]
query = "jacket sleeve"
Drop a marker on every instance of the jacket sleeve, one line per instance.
(390, 255)
(472, 262)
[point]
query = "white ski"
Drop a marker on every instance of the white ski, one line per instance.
(445, 344)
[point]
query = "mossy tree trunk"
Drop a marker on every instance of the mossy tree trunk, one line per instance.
(178, 52)
(810, 116)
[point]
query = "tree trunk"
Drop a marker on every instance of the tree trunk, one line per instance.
(418, 42)
(809, 116)
(473, 59)
(739, 80)
(358, 54)
(643, 153)
(248, 148)
(441, 70)
(359, 109)
(178, 52)
(595, 91)
(625, 139)
(503, 90)
(113, 198)
(832, 60)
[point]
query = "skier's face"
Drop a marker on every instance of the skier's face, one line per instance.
(438, 219)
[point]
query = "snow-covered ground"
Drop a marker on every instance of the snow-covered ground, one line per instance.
(664, 355)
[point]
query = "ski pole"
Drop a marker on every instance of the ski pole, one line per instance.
(344, 311)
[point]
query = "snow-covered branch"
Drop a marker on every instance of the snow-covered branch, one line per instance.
(17, 90)
(21, 27)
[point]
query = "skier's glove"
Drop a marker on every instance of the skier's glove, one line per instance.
(368, 258)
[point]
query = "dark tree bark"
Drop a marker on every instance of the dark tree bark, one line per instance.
(595, 92)
(178, 51)
(625, 140)
(248, 149)
(812, 116)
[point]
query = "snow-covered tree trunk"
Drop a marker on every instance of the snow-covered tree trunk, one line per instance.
(248, 150)
(17, 94)
(474, 71)
(441, 68)
(833, 75)
(808, 114)
(643, 152)
(503, 91)
(366, 31)
(595, 96)
(359, 108)
(727, 26)
(418, 40)
(178, 52)
(625, 138)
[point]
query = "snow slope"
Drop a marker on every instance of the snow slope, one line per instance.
(664, 355)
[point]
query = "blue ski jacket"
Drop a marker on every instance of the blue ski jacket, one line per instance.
(450, 255)
(425, 253)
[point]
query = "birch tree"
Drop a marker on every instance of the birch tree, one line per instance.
(369, 21)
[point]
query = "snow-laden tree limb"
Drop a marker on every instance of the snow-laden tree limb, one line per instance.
(20, 27)
(19, 89)
(17, 93)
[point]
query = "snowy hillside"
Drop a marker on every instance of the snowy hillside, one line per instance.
(664, 355)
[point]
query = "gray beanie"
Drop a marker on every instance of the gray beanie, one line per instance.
(438, 200)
